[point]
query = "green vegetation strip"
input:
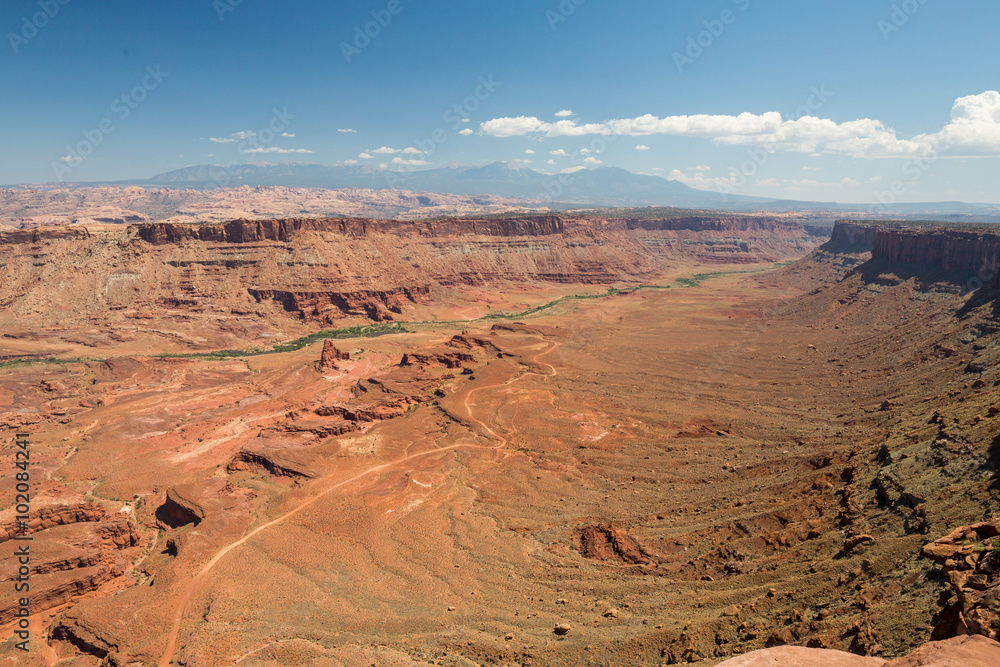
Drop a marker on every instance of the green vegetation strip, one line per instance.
(367, 331)
(384, 329)
(13, 363)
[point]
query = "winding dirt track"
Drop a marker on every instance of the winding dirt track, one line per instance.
(199, 578)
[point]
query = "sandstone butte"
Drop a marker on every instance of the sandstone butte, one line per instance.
(625, 438)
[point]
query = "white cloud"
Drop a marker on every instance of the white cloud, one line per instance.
(526, 161)
(586, 151)
(275, 149)
(551, 161)
(349, 162)
(642, 147)
(70, 158)
(591, 160)
(974, 130)
(768, 183)
(465, 132)
(803, 185)
(236, 136)
(409, 150)
(347, 130)
(564, 113)
(560, 152)
(810, 169)
(366, 156)
(410, 163)
(529, 152)
(287, 134)
(703, 167)
(571, 170)
(698, 179)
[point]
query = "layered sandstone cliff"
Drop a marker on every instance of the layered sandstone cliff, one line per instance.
(328, 270)
(971, 252)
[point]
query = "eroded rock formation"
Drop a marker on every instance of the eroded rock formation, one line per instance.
(75, 549)
(330, 356)
(970, 557)
(180, 508)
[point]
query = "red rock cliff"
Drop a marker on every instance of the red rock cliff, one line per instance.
(973, 251)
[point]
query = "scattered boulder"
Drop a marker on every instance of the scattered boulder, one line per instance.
(854, 541)
(563, 629)
(608, 543)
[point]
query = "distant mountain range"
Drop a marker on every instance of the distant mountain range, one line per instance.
(603, 186)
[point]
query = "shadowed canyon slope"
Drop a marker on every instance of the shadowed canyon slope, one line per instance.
(659, 474)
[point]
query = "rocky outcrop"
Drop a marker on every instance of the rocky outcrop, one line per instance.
(74, 551)
(330, 356)
(52, 516)
(270, 462)
(85, 639)
(607, 543)
(444, 360)
(964, 651)
(376, 305)
(40, 234)
(180, 508)
(970, 556)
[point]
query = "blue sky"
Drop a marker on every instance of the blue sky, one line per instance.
(896, 94)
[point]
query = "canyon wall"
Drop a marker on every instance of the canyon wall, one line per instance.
(969, 251)
(328, 269)
(21, 236)
(253, 231)
(849, 234)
